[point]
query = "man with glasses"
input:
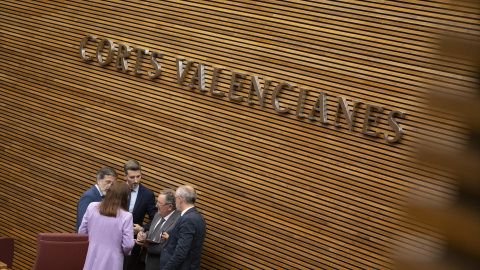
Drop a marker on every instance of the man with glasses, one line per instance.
(163, 222)
(106, 176)
(140, 203)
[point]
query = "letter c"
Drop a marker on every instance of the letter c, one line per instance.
(82, 48)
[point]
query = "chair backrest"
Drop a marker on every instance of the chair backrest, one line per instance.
(6, 250)
(61, 251)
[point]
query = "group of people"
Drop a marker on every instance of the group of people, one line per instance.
(112, 215)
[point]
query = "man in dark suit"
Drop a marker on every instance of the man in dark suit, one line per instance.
(164, 221)
(141, 203)
(183, 248)
(106, 176)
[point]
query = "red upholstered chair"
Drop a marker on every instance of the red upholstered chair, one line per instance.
(61, 251)
(6, 250)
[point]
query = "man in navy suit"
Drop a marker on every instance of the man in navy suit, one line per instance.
(106, 176)
(141, 202)
(183, 248)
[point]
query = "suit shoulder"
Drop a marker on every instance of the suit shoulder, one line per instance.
(176, 214)
(145, 189)
(197, 216)
(88, 193)
(193, 216)
(125, 214)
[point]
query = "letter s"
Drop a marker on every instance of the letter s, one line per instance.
(394, 125)
(156, 66)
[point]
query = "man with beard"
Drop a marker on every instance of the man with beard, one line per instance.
(140, 203)
(106, 176)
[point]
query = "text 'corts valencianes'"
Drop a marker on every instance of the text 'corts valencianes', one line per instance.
(317, 112)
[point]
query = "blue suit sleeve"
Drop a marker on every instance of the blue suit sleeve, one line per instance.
(82, 206)
(186, 234)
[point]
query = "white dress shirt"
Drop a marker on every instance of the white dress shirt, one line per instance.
(183, 212)
(133, 198)
(101, 193)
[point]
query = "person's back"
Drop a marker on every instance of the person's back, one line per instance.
(110, 230)
(195, 219)
(105, 234)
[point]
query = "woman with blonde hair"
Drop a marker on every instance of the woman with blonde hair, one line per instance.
(110, 230)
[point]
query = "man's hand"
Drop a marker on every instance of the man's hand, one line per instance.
(137, 228)
(164, 236)
(141, 236)
(141, 243)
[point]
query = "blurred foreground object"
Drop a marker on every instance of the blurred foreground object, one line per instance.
(458, 220)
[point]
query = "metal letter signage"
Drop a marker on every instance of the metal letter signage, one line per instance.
(104, 53)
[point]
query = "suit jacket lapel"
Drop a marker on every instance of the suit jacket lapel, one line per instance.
(166, 225)
(97, 193)
(170, 221)
(156, 219)
(139, 198)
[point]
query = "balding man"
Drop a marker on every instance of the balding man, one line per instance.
(183, 248)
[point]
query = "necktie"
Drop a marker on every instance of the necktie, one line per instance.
(162, 220)
(156, 236)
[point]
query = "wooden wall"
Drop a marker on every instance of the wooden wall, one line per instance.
(278, 191)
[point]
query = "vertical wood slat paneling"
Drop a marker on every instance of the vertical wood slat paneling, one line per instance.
(276, 191)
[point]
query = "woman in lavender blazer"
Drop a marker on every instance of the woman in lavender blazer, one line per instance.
(110, 230)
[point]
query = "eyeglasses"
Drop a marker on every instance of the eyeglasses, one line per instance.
(162, 204)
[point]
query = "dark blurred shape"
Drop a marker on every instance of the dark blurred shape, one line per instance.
(6, 250)
(458, 220)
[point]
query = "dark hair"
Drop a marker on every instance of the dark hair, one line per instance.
(116, 198)
(106, 171)
(169, 197)
(132, 165)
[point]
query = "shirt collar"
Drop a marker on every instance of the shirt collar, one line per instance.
(135, 189)
(169, 215)
(184, 211)
(101, 193)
